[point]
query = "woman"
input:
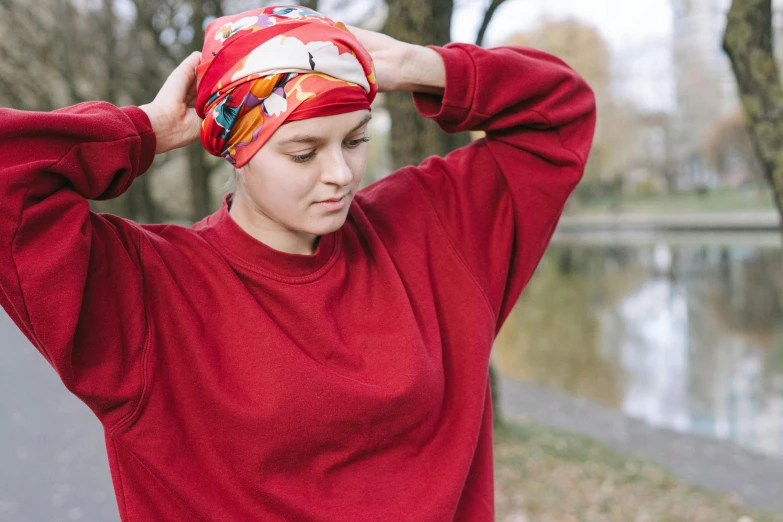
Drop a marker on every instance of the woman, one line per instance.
(288, 358)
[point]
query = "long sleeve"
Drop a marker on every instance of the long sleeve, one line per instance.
(499, 198)
(69, 278)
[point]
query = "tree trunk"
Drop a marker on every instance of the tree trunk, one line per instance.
(312, 4)
(748, 42)
(497, 417)
(413, 137)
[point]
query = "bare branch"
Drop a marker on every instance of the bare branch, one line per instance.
(490, 12)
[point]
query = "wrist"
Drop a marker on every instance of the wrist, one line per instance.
(159, 126)
(423, 70)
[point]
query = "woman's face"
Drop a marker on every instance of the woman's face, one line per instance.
(304, 163)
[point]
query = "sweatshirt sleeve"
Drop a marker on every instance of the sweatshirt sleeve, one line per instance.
(69, 278)
(500, 197)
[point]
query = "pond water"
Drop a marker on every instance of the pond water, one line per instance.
(684, 332)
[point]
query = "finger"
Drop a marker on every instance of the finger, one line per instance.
(353, 29)
(183, 78)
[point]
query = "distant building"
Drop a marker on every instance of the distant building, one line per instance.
(705, 86)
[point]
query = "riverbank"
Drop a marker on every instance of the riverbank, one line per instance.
(563, 477)
(547, 475)
(719, 199)
(744, 221)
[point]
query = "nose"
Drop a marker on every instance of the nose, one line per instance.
(336, 170)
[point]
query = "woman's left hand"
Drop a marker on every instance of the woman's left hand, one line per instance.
(400, 66)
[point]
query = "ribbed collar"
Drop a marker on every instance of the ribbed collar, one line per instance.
(251, 254)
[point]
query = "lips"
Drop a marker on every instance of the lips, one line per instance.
(333, 200)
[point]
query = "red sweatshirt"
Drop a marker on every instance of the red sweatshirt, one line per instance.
(239, 383)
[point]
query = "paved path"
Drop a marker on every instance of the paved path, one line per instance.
(53, 464)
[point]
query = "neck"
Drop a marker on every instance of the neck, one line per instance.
(268, 231)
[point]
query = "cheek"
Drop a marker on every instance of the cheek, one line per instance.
(278, 187)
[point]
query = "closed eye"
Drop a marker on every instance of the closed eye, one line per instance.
(351, 144)
(301, 158)
(355, 143)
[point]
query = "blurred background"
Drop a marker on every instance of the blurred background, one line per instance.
(640, 376)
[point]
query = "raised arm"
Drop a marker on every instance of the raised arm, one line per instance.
(71, 279)
(499, 198)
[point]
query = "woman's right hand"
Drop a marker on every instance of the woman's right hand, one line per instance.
(172, 113)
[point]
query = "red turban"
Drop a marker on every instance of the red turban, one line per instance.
(267, 66)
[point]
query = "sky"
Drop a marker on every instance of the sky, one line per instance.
(622, 22)
(638, 32)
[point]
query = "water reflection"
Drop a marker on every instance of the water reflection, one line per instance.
(684, 336)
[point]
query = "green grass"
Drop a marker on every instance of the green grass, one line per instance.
(547, 475)
(718, 200)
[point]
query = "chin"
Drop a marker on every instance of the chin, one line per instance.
(326, 225)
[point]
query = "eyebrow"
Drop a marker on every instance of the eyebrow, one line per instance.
(306, 138)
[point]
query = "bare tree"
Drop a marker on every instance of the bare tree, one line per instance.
(129, 57)
(748, 41)
(175, 29)
(57, 40)
(90, 52)
(728, 138)
(424, 23)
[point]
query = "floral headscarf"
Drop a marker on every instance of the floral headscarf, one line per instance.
(267, 66)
